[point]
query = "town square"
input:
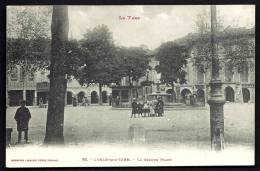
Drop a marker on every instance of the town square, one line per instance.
(164, 78)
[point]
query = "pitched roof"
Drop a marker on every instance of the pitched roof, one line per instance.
(228, 32)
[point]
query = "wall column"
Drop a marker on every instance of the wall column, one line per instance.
(35, 98)
(24, 94)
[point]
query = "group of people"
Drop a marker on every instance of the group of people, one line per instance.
(148, 108)
(85, 101)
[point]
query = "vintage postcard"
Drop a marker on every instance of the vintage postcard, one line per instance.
(130, 85)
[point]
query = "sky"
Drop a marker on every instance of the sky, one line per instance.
(155, 24)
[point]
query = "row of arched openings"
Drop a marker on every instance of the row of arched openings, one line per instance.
(184, 93)
(229, 94)
(93, 97)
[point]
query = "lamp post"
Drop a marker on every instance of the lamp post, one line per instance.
(216, 100)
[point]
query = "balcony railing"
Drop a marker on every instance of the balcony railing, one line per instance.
(21, 85)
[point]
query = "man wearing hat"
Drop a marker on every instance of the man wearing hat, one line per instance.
(22, 117)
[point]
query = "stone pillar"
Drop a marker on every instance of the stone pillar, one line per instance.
(24, 94)
(136, 134)
(35, 98)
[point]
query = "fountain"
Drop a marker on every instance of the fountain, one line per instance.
(167, 98)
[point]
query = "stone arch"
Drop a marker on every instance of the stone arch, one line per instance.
(94, 97)
(81, 95)
(229, 94)
(184, 94)
(201, 95)
(246, 95)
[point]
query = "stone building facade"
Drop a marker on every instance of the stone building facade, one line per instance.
(237, 86)
(32, 87)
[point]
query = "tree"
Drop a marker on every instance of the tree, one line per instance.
(134, 63)
(202, 55)
(100, 66)
(202, 22)
(27, 40)
(239, 53)
(172, 58)
(58, 82)
(27, 36)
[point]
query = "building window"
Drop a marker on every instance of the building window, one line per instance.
(200, 77)
(244, 73)
(22, 74)
(147, 90)
(14, 74)
(31, 76)
(228, 74)
(43, 76)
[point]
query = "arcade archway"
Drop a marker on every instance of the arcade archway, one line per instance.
(81, 95)
(94, 97)
(200, 96)
(184, 94)
(229, 94)
(246, 95)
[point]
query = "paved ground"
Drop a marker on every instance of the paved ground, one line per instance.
(101, 124)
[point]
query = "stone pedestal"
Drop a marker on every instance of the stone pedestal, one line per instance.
(8, 135)
(216, 103)
(136, 134)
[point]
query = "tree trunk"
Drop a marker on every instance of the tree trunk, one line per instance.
(100, 94)
(58, 82)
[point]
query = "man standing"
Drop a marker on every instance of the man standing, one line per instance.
(134, 107)
(110, 100)
(22, 117)
(159, 106)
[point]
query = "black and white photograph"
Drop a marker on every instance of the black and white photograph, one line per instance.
(130, 85)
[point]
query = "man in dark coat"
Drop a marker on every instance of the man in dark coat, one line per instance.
(110, 100)
(134, 108)
(22, 117)
(159, 107)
